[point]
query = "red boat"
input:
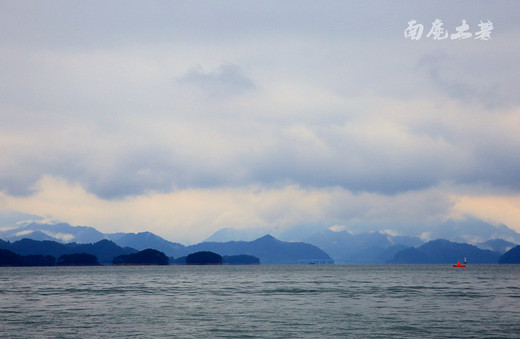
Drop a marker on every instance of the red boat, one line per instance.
(458, 264)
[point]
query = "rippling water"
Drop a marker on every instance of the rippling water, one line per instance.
(313, 301)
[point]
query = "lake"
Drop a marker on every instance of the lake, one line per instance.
(300, 301)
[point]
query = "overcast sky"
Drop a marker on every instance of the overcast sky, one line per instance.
(184, 117)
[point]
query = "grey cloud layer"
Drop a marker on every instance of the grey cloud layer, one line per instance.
(138, 98)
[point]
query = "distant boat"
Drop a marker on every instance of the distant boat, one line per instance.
(458, 264)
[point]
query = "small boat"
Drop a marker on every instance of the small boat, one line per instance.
(458, 264)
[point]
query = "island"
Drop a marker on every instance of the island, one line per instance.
(78, 259)
(204, 258)
(144, 257)
(241, 259)
(9, 258)
(212, 258)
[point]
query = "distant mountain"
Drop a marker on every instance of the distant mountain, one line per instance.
(373, 247)
(114, 236)
(498, 245)
(65, 233)
(472, 231)
(511, 257)
(231, 234)
(45, 247)
(268, 249)
(13, 218)
(445, 252)
(144, 240)
(104, 250)
(343, 247)
(34, 235)
(61, 232)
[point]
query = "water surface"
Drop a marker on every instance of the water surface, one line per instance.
(307, 301)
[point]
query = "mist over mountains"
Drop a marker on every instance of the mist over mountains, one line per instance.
(444, 252)
(381, 247)
(342, 246)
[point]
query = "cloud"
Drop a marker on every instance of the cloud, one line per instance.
(491, 208)
(388, 150)
(227, 80)
(191, 215)
(131, 100)
(475, 75)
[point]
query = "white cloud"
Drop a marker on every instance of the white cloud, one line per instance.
(192, 215)
(64, 237)
(146, 104)
(22, 233)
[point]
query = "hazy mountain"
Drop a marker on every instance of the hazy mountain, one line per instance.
(473, 231)
(268, 249)
(405, 240)
(145, 240)
(299, 232)
(12, 218)
(231, 234)
(114, 236)
(345, 247)
(498, 245)
(65, 233)
(34, 235)
(104, 250)
(61, 232)
(511, 257)
(445, 252)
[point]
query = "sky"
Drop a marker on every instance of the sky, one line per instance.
(185, 117)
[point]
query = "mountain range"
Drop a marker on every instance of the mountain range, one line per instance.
(268, 249)
(61, 238)
(104, 250)
(443, 251)
(341, 246)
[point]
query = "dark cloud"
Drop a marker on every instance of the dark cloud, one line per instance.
(318, 94)
(132, 172)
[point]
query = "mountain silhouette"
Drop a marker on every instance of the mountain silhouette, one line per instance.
(443, 251)
(144, 240)
(267, 248)
(146, 257)
(497, 245)
(104, 250)
(361, 248)
(511, 257)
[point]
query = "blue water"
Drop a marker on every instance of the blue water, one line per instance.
(312, 301)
